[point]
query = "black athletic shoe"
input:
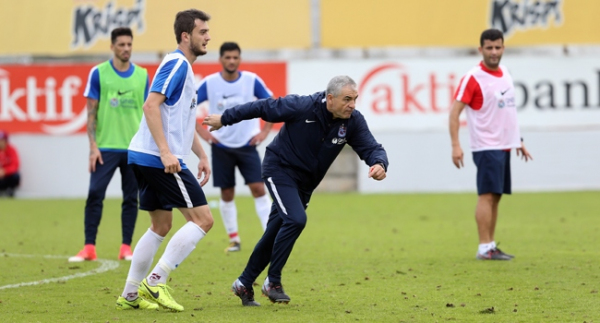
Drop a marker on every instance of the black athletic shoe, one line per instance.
(501, 252)
(275, 292)
(245, 294)
(493, 254)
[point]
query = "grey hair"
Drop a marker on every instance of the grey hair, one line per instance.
(337, 83)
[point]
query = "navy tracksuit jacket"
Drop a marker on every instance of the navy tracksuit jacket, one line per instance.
(295, 162)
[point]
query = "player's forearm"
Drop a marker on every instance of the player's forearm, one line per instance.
(203, 132)
(454, 124)
(197, 148)
(92, 112)
(154, 121)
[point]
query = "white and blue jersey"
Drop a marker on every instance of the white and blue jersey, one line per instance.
(222, 95)
(175, 80)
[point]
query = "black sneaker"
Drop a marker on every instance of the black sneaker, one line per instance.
(493, 254)
(500, 251)
(245, 294)
(275, 292)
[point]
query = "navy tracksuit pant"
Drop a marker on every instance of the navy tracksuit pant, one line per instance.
(99, 181)
(286, 222)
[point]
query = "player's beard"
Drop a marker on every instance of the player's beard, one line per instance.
(493, 64)
(197, 50)
(123, 59)
(230, 71)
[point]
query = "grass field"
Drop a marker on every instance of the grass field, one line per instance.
(361, 258)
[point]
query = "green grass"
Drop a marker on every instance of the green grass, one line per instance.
(361, 258)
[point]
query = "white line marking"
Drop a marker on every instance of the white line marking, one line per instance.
(105, 265)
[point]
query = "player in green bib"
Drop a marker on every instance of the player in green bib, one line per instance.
(115, 92)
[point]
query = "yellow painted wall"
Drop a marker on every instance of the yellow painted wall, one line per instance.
(44, 27)
(380, 23)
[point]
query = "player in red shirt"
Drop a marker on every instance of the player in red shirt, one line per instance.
(9, 166)
(489, 93)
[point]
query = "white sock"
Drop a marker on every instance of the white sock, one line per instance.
(229, 215)
(485, 247)
(180, 246)
(263, 209)
(143, 255)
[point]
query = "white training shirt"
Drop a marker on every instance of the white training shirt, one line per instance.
(175, 80)
(492, 113)
(222, 95)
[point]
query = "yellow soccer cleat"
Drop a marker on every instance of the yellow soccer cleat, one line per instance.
(233, 247)
(137, 304)
(160, 295)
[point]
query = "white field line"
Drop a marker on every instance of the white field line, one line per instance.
(105, 265)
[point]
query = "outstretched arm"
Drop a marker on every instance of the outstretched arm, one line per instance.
(213, 121)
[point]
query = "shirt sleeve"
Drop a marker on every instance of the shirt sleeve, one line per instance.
(365, 145)
(202, 92)
(469, 92)
(92, 89)
(261, 91)
(147, 87)
(170, 79)
(270, 110)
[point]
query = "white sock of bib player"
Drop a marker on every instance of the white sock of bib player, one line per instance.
(180, 246)
(485, 247)
(229, 215)
(143, 255)
(262, 205)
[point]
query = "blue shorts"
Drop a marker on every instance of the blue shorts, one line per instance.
(162, 191)
(224, 161)
(493, 171)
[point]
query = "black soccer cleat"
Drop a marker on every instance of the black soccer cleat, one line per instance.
(244, 293)
(493, 254)
(275, 293)
(501, 252)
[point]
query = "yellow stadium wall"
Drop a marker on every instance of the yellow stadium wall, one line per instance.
(45, 27)
(380, 23)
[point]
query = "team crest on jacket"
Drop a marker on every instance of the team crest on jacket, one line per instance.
(193, 105)
(342, 131)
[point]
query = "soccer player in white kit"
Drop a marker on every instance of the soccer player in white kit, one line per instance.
(235, 146)
(489, 92)
(166, 135)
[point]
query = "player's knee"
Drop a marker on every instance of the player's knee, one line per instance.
(208, 223)
(95, 193)
(204, 220)
(162, 229)
(298, 222)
